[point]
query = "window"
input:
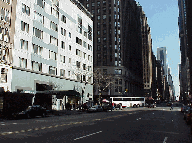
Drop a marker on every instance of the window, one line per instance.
(69, 34)
(80, 25)
(22, 62)
(62, 45)
(24, 44)
(84, 66)
(79, 41)
(78, 64)
(54, 41)
(99, 40)
(55, 12)
(84, 55)
(36, 66)
(6, 1)
(116, 81)
(69, 47)
(52, 70)
(63, 18)
(104, 16)
(84, 78)
(52, 55)
(118, 71)
(69, 73)
(89, 33)
(37, 49)
(63, 32)
(53, 26)
(62, 72)
(38, 33)
(25, 9)
(116, 90)
(38, 17)
(62, 59)
(98, 3)
(40, 3)
(70, 60)
(120, 81)
(5, 15)
(24, 27)
(120, 89)
(89, 68)
(104, 71)
(98, 17)
(85, 34)
(4, 75)
(85, 44)
(78, 52)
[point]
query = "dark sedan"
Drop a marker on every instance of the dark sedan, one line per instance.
(169, 103)
(32, 111)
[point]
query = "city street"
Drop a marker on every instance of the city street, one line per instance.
(127, 125)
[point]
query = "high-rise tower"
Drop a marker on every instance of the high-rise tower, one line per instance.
(118, 45)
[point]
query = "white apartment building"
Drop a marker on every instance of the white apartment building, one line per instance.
(53, 45)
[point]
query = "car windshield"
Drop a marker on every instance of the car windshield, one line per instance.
(93, 106)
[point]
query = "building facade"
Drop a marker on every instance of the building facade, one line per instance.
(147, 56)
(52, 47)
(117, 46)
(184, 22)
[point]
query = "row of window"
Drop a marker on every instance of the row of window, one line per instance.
(79, 53)
(53, 26)
(4, 34)
(52, 55)
(38, 33)
(52, 70)
(5, 15)
(78, 65)
(7, 1)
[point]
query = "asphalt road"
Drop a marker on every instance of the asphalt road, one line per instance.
(132, 125)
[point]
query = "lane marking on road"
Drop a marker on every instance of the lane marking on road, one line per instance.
(87, 135)
(14, 123)
(3, 124)
(29, 130)
(165, 140)
(167, 132)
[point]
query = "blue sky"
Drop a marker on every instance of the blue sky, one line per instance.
(162, 17)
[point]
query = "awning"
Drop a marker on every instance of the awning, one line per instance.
(105, 100)
(59, 92)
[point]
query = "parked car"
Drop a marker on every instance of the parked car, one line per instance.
(187, 108)
(189, 116)
(32, 111)
(151, 105)
(183, 108)
(95, 108)
(107, 107)
(169, 103)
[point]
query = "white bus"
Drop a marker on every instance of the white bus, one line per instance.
(129, 101)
